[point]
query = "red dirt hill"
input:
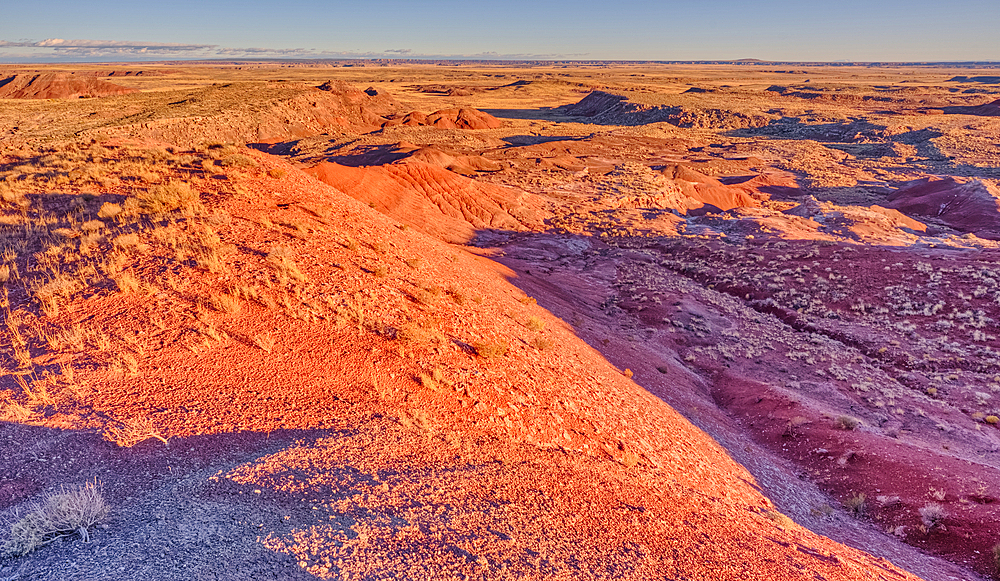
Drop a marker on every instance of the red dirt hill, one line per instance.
(968, 206)
(708, 190)
(434, 200)
(610, 109)
(57, 86)
(357, 107)
(464, 118)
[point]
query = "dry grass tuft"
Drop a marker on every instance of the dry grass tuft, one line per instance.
(420, 332)
(127, 283)
(265, 342)
(284, 266)
(225, 303)
(160, 199)
(490, 349)
(68, 512)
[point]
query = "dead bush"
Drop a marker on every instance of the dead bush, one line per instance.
(69, 512)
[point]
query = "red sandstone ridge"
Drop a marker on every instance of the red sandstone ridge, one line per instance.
(434, 200)
(57, 86)
(972, 206)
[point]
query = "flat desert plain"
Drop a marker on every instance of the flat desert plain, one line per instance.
(499, 321)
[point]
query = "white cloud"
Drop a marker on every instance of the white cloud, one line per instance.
(53, 49)
(101, 47)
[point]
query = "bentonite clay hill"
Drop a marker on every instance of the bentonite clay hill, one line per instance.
(57, 86)
(581, 323)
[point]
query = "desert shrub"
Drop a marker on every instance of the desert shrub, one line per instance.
(276, 173)
(541, 343)
(535, 324)
(932, 514)
(857, 504)
(847, 423)
(68, 512)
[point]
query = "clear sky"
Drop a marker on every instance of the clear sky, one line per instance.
(801, 30)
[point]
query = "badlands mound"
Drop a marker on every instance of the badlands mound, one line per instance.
(256, 113)
(57, 86)
(991, 109)
(344, 398)
(357, 107)
(434, 200)
(611, 109)
(464, 118)
(967, 206)
(374, 108)
(708, 190)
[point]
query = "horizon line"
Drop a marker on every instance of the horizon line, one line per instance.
(461, 59)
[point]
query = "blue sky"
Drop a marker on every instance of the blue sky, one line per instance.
(872, 30)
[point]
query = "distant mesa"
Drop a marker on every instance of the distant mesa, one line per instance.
(138, 73)
(968, 206)
(451, 90)
(57, 86)
(985, 80)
